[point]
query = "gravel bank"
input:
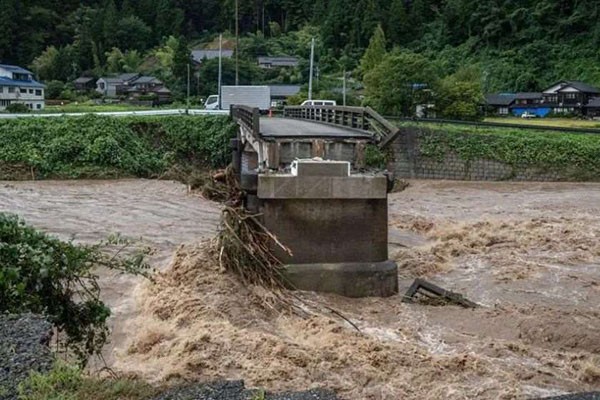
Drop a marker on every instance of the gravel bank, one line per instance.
(23, 348)
(580, 396)
(235, 390)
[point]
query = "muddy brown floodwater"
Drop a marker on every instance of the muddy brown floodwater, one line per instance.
(528, 253)
(160, 214)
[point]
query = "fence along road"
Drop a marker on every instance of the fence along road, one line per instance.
(481, 124)
(144, 113)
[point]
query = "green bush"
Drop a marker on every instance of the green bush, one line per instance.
(54, 89)
(97, 146)
(17, 108)
(44, 275)
(66, 382)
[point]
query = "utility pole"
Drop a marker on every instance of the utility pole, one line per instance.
(312, 63)
(237, 42)
(344, 90)
(188, 89)
(220, 67)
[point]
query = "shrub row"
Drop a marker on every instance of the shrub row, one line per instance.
(100, 146)
(575, 155)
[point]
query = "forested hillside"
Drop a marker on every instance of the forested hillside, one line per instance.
(507, 44)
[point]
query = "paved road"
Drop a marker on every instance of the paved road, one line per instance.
(284, 127)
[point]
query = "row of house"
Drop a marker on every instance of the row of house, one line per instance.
(263, 62)
(133, 86)
(17, 85)
(564, 97)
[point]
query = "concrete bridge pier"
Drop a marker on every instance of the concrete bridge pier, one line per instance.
(331, 216)
(335, 225)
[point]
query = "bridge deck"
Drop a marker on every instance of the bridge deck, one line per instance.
(293, 128)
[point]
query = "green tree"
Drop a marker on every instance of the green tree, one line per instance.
(459, 96)
(132, 33)
(8, 26)
(181, 63)
(169, 19)
(375, 53)
(110, 18)
(393, 86)
(114, 60)
(398, 25)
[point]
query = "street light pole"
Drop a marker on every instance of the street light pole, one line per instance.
(237, 42)
(312, 64)
(188, 89)
(344, 90)
(220, 67)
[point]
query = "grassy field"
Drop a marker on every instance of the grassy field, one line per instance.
(559, 122)
(92, 108)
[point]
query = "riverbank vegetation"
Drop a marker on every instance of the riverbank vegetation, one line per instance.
(108, 147)
(576, 156)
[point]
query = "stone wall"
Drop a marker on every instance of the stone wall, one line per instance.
(410, 163)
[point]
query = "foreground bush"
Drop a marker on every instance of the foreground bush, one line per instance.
(44, 275)
(110, 147)
(65, 382)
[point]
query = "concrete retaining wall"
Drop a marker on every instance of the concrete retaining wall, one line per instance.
(410, 163)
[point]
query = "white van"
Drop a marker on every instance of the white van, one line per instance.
(319, 103)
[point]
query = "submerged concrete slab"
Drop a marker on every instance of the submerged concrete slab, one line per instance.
(346, 279)
(322, 187)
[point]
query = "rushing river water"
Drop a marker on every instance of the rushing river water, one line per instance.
(529, 253)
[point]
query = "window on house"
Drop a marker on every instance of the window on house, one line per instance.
(1, 89)
(11, 89)
(38, 92)
(30, 91)
(570, 96)
(38, 106)
(23, 90)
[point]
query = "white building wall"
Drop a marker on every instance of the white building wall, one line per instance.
(5, 73)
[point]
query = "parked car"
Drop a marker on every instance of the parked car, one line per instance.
(528, 115)
(319, 103)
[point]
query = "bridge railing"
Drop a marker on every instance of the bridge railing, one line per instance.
(247, 117)
(362, 118)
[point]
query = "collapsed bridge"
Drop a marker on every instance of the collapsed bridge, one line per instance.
(306, 175)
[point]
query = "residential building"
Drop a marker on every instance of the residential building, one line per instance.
(17, 85)
(499, 103)
(565, 97)
(200, 55)
(149, 86)
(115, 86)
(569, 96)
(592, 108)
(84, 84)
(277, 62)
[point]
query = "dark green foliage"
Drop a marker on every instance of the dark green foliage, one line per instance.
(518, 45)
(54, 89)
(391, 85)
(17, 108)
(93, 146)
(459, 96)
(43, 275)
(375, 157)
